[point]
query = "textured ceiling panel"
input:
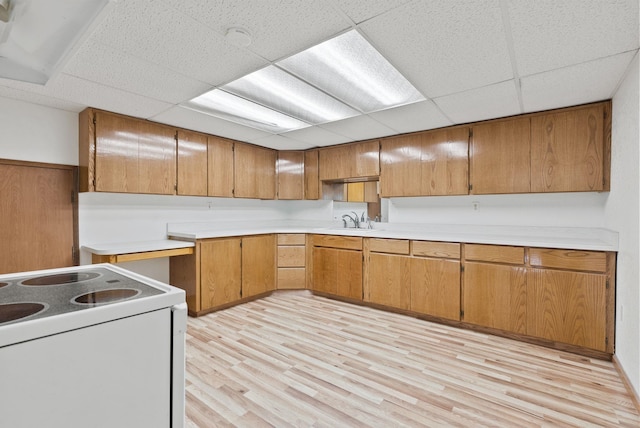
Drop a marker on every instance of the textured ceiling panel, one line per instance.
(359, 128)
(316, 136)
(578, 84)
(361, 10)
(107, 66)
(278, 28)
(483, 103)
(190, 119)
(412, 117)
(90, 94)
(550, 34)
(279, 142)
(444, 47)
(140, 29)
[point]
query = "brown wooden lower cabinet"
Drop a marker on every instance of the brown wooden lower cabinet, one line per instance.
(495, 296)
(338, 272)
(220, 272)
(258, 264)
(390, 280)
(567, 307)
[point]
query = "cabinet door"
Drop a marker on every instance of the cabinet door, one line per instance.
(192, 163)
(495, 296)
(338, 272)
(568, 307)
(220, 272)
(220, 166)
(290, 169)
(435, 287)
(567, 150)
(116, 165)
(157, 158)
(367, 159)
(311, 181)
(258, 264)
(426, 164)
(500, 158)
(254, 172)
(355, 160)
(389, 280)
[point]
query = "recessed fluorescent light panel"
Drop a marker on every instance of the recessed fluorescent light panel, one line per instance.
(340, 78)
(236, 109)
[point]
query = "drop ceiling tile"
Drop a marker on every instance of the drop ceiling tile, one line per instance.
(35, 98)
(490, 102)
(194, 120)
(444, 47)
(139, 28)
(110, 67)
(316, 136)
(278, 28)
(89, 94)
(591, 81)
(361, 10)
(359, 128)
(412, 117)
(279, 142)
(549, 34)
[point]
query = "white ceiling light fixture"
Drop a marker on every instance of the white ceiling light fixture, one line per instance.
(340, 78)
(349, 68)
(40, 35)
(236, 109)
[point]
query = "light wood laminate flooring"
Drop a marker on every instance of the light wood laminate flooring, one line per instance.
(297, 360)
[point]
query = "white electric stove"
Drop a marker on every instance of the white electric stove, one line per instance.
(92, 345)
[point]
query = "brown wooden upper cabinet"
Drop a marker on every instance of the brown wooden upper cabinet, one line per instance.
(311, 178)
(355, 160)
(127, 155)
(192, 163)
(425, 164)
(499, 157)
(290, 173)
(254, 172)
(568, 150)
(220, 167)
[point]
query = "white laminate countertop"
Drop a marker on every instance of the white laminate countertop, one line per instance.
(575, 238)
(136, 247)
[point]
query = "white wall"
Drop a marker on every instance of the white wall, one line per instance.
(622, 213)
(31, 132)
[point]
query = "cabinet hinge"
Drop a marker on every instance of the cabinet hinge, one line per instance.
(607, 283)
(461, 314)
(470, 186)
(606, 340)
(94, 120)
(73, 197)
(461, 268)
(470, 132)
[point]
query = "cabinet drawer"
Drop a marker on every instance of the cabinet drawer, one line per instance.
(291, 256)
(291, 239)
(291, 278)
(393, 246)
(494, 253)
(336, 241)
(594, 261)
(444, 250)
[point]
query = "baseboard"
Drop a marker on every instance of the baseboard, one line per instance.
(627, 383)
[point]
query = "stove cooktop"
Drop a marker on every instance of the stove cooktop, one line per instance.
(31, 297)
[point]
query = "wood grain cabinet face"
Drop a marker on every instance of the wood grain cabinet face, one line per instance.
(500, 159)
(254, 172)
(192, 163)
(133, 155)
(258, 264)
(290, 172)
(220, 167)
(389, 280)
(495, 296)
(220, 272)
(355, 160)
(425, 164)
(311, 178)
(338, 272)
(567, 307)
(567, 150)
(435, 287)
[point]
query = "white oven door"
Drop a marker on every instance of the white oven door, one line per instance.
(115, 374)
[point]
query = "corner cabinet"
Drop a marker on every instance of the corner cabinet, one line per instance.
(348, 161)
(223, 272)
(427, 163)
(126, 155)
(290, 174)
(254, 172)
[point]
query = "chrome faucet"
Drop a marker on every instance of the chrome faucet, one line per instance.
(354, 219)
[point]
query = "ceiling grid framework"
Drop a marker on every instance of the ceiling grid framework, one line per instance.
(470, 59)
